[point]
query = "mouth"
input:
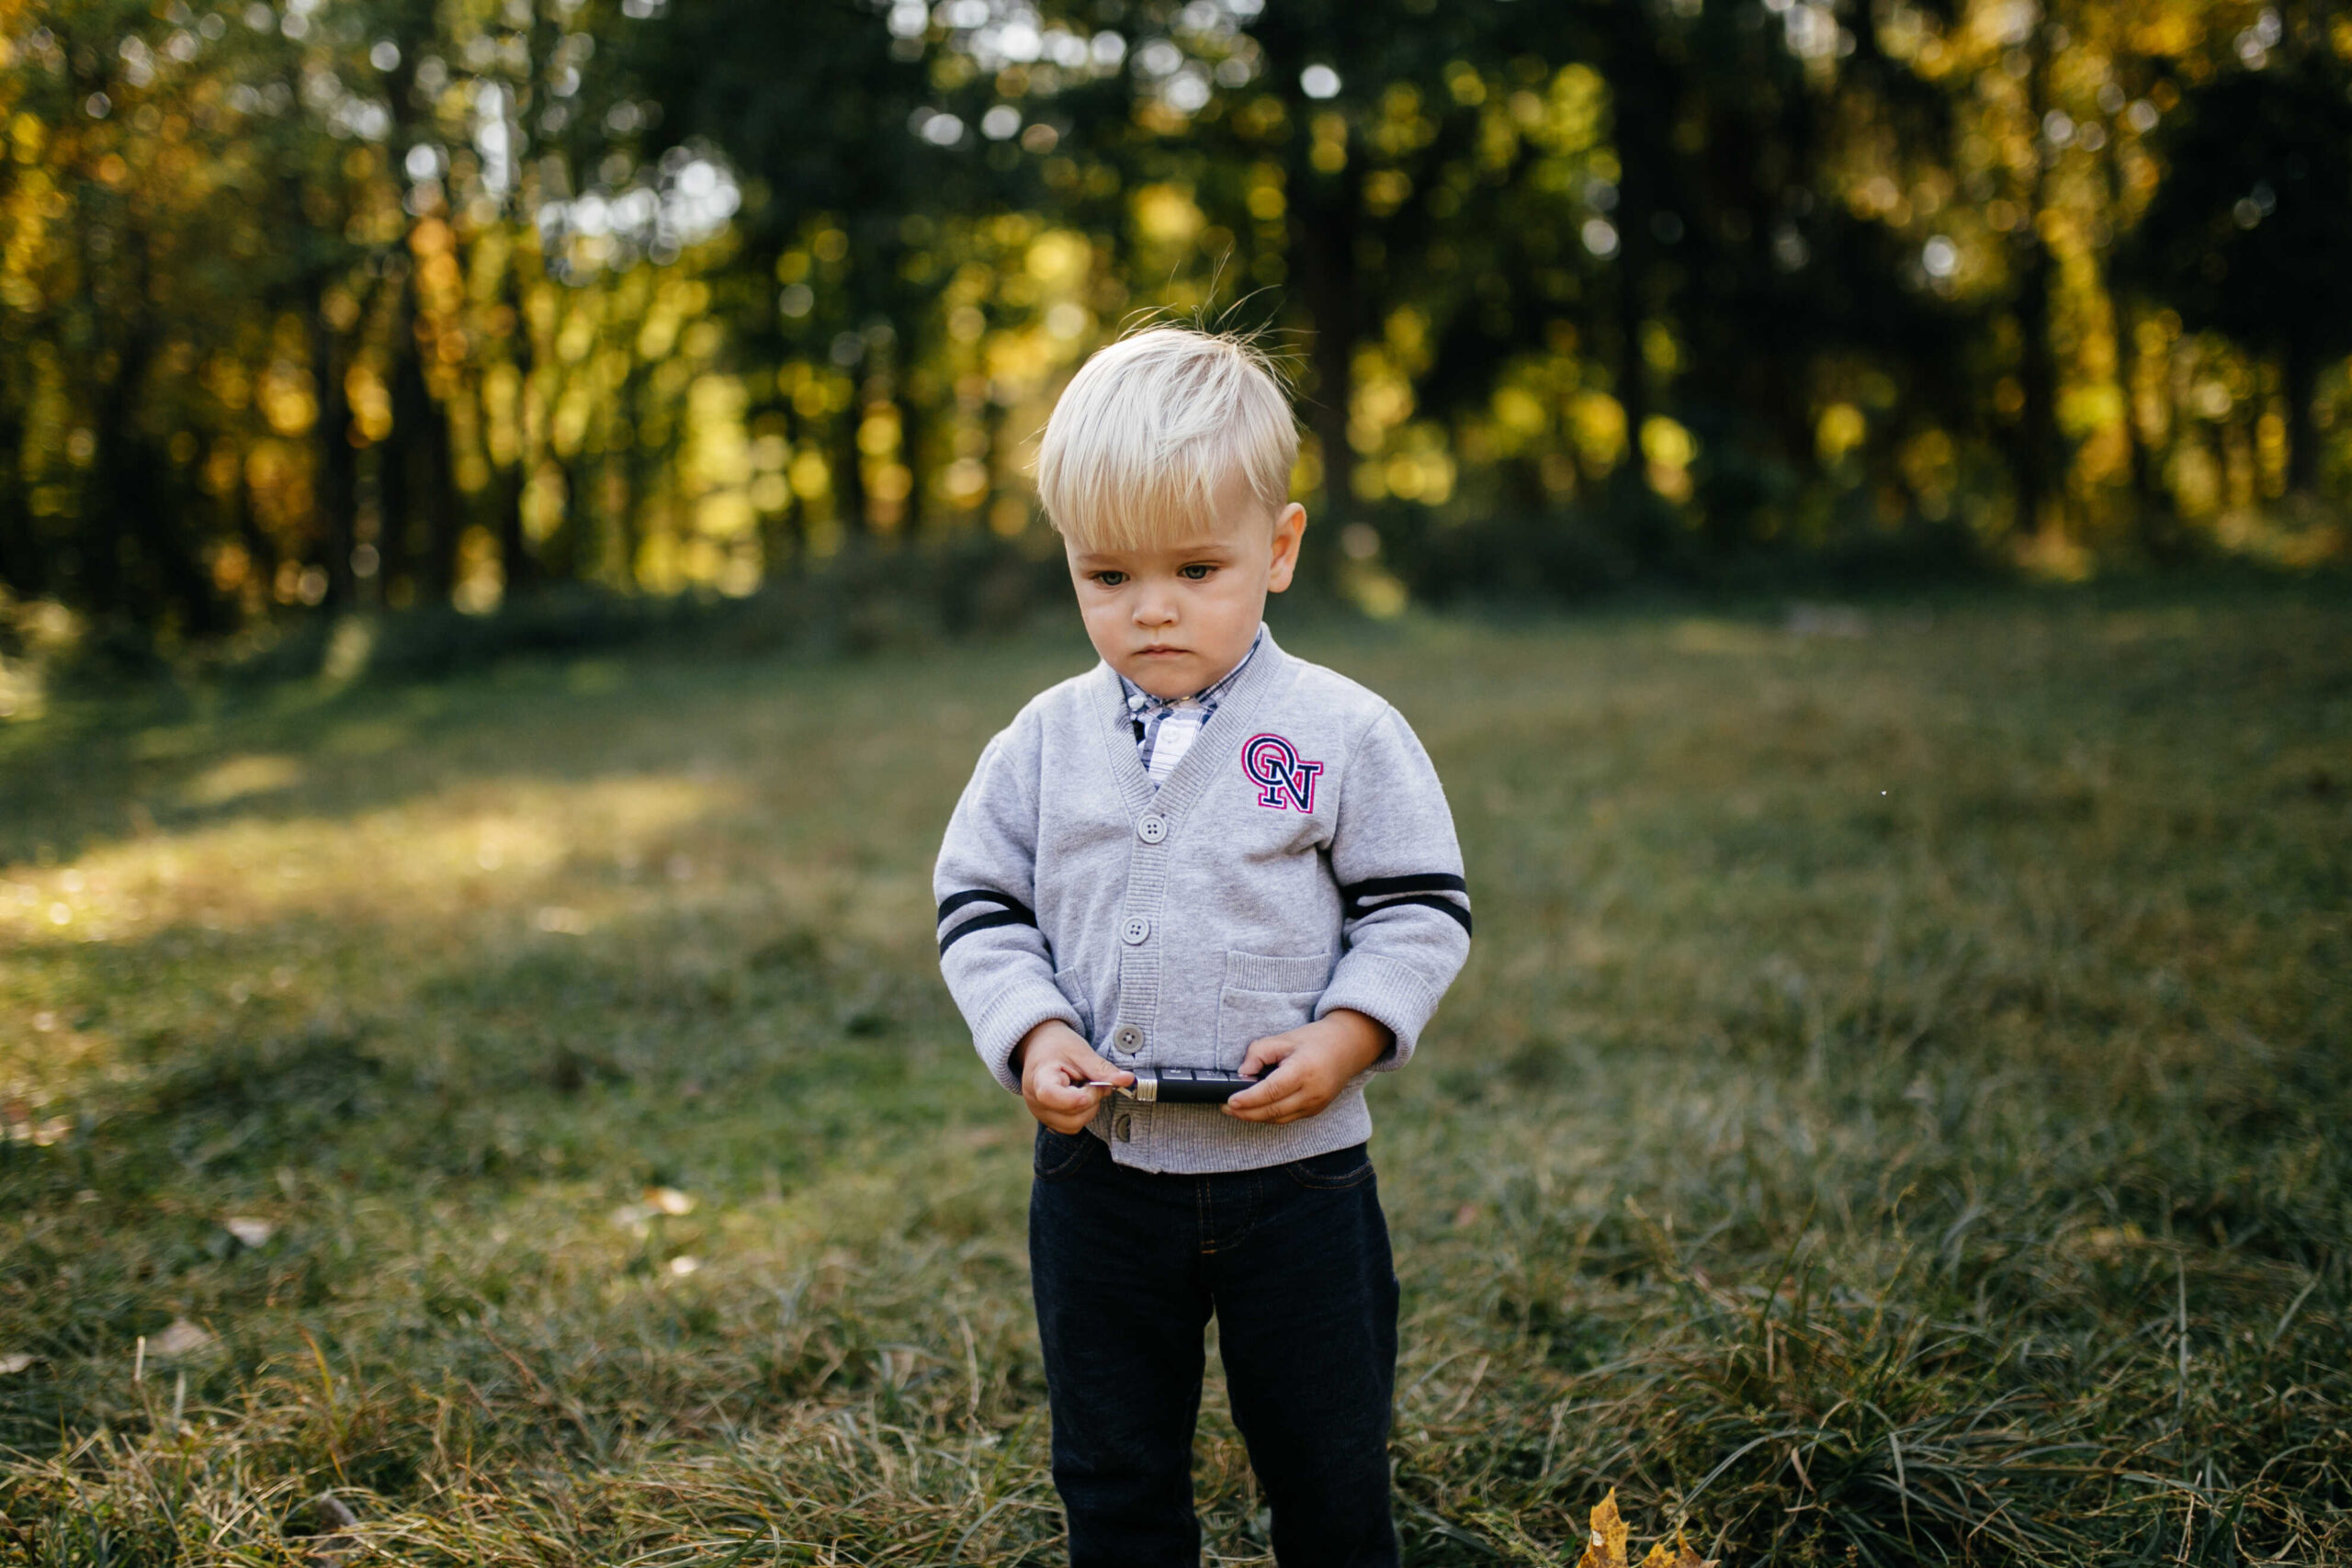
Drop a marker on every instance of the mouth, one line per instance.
(1159, 651)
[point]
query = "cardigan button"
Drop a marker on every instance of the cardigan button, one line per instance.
(1136, 930)
(1127, 1037)
(1152, 830)
(1123, 1127)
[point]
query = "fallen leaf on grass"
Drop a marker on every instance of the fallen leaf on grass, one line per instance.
(1607, 1548)
(13, 1363)
(251, 1231)
(182, 1339)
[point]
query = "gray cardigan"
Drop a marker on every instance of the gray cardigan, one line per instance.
(1300, 858)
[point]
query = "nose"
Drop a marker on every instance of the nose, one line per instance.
(1155, 608)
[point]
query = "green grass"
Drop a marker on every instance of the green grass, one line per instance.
(1894, 1111)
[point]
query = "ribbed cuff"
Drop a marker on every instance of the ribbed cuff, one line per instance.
(1388, 992)
(1010, 1018)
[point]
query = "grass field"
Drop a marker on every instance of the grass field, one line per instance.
(1895, 1109)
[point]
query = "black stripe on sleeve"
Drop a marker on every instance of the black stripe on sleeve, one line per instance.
(1419, 881)
(1439, 902)
(956, 901)
(983, 922)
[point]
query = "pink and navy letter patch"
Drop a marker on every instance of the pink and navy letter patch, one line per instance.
(1283, 782)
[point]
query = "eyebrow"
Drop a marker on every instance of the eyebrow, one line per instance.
(1195, 550)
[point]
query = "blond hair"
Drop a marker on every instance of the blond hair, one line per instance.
(1152, 430)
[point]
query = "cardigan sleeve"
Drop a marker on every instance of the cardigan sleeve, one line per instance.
(1405, 911)
(994, 958)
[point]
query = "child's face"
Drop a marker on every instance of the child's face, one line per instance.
(1174, 617)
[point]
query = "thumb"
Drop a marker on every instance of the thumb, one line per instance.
(1088, 1065)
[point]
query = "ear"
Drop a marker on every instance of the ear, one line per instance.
(1290, 524)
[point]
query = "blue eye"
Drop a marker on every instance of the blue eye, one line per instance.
(1197, 572)
(1110, 579)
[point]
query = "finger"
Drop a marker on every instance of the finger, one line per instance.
(1067, 1098)
(1091, 1067)
(1283, 1108)
(1267, 1099)
(1264, 1092)
(1266, 1054)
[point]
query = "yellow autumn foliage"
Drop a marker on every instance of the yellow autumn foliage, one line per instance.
(1607, 1547)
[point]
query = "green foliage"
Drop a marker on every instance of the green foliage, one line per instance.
(381, 304)
(1891, 1114)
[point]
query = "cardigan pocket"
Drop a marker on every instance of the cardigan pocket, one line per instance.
(1266, 995)
(1072, 987)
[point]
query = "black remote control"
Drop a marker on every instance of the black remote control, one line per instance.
(1185, 1085)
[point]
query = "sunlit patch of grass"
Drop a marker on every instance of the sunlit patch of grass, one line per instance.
(1890, 1115)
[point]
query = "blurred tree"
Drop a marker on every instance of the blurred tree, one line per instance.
(830, 116)
(2249, 234)
(341, 303)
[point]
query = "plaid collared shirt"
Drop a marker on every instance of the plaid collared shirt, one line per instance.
(1166, 727)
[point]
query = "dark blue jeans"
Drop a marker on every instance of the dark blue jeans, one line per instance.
(1293, 1261)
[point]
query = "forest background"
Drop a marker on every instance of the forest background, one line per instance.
(422, 303)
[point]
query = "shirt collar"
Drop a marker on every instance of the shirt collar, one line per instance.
(1141, 702)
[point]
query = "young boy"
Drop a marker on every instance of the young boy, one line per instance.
(1202, 853)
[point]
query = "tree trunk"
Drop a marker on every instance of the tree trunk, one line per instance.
(514, 545)
(261, 551)
(910, 443)
(152, 567)
(23, 566)
(444, 516)
(400, 537)
(2154, 522)
(2299, 382)
(1326, 212)
(849, 476)
(2034, 453)
(395, 500)
(775, 528)
(560, 553)
(335, 499)
(520, 570)
(1637, 105)
(514, 562)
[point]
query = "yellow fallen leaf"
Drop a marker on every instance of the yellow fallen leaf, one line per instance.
(1607, 1548)
(1680, 1557)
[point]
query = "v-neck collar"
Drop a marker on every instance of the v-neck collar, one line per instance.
(1176, 791)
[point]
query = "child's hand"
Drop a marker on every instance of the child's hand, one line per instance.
(1056, 1063)
(1304, 1068)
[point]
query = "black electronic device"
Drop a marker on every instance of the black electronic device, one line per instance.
(1181, 1086)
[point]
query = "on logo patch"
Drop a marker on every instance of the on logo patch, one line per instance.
(1283, 782)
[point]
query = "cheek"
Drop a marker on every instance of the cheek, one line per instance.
(1104, 610)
